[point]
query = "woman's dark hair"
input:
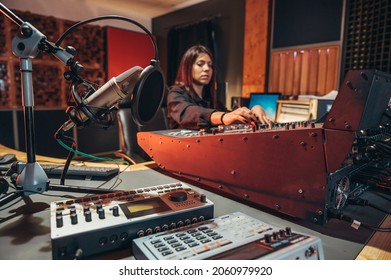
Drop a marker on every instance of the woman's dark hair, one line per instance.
(184, 75)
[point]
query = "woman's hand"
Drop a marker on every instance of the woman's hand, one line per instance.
(245, 115)
(242, 115)
(261, 116)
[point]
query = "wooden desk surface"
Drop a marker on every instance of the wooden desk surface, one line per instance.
(21, 156)
(379, 246)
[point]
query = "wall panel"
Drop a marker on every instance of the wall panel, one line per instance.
(310, 71)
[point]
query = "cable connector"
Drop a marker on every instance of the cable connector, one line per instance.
(333, 213)
(358, 201)
(78, 254)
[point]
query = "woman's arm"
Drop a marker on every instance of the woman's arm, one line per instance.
(184, 112)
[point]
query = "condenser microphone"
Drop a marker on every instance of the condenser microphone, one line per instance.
(102, 100)
(145, 89)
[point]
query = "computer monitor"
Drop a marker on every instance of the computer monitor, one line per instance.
(268, 101)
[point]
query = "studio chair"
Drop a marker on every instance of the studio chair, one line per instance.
(128, 129)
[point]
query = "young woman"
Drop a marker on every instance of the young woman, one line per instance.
(192, 101)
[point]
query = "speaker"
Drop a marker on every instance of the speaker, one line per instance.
(238, 101)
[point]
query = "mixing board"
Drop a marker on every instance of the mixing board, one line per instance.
(302, 169)
(95, 224)
(232, 236)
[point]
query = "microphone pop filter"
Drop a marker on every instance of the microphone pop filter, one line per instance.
(148, 94)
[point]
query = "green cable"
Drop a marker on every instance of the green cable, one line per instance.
(88, 155)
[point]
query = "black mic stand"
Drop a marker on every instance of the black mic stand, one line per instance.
(26, 45)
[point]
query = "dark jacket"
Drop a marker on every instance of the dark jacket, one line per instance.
(186, 109)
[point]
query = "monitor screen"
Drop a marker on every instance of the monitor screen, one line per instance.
(268, 101)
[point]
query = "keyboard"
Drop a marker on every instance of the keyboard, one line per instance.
(74, 170)
(233, 236)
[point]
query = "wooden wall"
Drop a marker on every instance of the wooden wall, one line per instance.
(311, 71)
(301, 70)
(256, 42)
(50, 88)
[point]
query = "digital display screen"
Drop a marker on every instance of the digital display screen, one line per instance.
(139, 208)
(143, 205)
(268, 101)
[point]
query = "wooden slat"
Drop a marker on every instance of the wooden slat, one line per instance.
(290, 67)
(275, 70)
(313, 74)
(331, 79)
(312, 71)
(282, 74)
(304, 75)
(379, 246)
(322, 72)
(298, 64)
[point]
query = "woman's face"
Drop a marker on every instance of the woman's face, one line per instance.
(202, 70)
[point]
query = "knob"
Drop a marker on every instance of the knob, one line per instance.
(115, 211)
(203, 198)
(25, 31)
(282, 233)
(98, 207)
(71, 50)
(178, 196)
(87, 216)
(101, 213)
(85, 209)
(73, 219)
(275, 236)
(59, 221)
(288, 231)
(268, 238)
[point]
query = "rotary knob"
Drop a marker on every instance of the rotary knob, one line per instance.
(59, 219)
(178, 196)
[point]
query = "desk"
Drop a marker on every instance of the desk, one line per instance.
(25, 230)
(21, 156)
(379, 246)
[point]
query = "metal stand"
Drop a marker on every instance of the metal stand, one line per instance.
(27, 44)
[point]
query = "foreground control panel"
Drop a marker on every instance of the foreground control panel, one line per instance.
(95, 224)
(232, 236)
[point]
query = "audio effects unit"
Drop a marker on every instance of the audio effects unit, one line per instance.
(234, 236)
(91, 225)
